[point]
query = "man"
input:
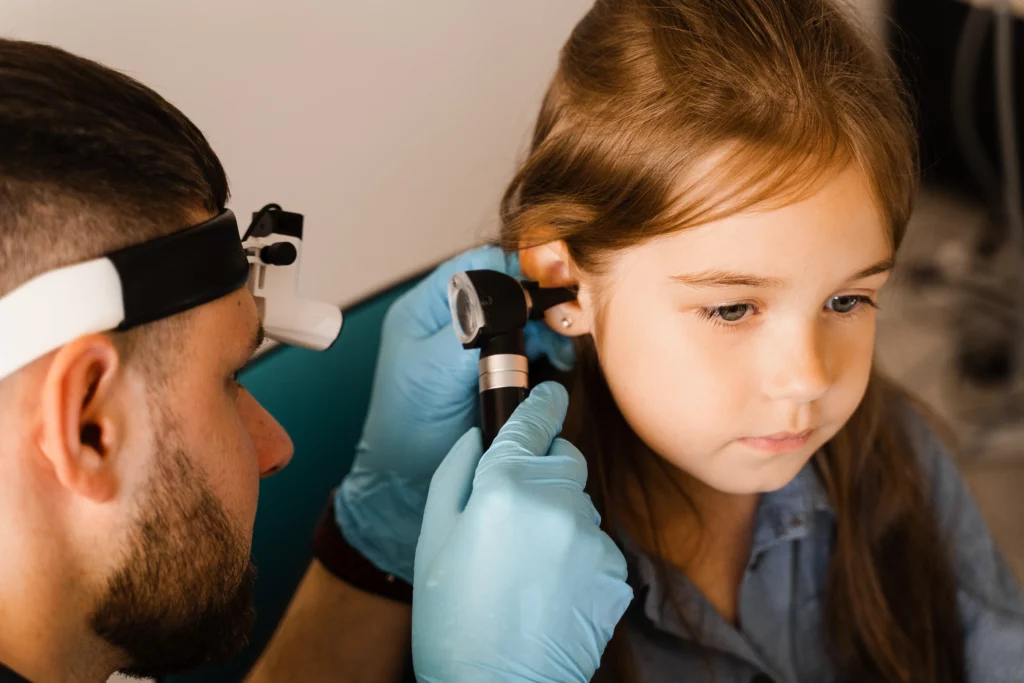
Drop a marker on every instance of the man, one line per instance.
(132, 458)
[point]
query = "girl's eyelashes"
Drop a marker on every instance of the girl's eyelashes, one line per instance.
(846, 304)
(733, 315)
(726, 315)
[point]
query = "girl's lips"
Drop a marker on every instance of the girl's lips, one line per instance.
(779, 443)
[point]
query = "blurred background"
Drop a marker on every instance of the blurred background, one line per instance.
(951, 327)
(394, 128)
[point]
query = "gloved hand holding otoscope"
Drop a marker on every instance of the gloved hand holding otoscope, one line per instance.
(489, 311)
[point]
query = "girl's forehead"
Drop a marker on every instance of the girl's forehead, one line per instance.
(838, 227)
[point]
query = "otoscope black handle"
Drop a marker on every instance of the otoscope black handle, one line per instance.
(496, 407)
(504, 381)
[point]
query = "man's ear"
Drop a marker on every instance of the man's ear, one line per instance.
(551, 265)
(81, 427)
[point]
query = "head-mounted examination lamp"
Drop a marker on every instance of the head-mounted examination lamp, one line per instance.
(166, 276)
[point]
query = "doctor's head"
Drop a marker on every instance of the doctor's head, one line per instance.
(137, 452)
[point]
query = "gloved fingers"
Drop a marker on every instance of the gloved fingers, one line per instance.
(573, 465)
(534, 424)
(564, 465)
(564, 468)
(424, 309)
(615, 593)
(449, 491)
(525, 471)
(443, 351)
(452, 483)
(541, 340)
(615, 564)
(617, 606)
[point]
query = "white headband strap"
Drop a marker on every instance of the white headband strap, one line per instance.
(126, 288)
(57, 307)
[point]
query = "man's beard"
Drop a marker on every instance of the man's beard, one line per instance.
(183, 596)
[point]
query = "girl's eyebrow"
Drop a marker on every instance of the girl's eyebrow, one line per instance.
(883, 266)
(723, 278)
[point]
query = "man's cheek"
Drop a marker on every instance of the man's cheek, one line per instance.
(227, 460)
(245, 484)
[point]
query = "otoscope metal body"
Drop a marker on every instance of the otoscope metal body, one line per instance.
(490, 311)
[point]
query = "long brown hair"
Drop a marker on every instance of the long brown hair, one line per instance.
(667, 114)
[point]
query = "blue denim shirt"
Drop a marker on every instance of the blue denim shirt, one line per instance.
(781, 594)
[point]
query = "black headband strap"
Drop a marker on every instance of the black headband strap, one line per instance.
(172, 274)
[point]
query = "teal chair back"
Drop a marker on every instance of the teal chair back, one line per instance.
(321, 400)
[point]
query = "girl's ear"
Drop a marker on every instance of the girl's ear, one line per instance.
(551, 265)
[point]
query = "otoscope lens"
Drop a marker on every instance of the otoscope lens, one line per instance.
(463, 311)
(467, 314)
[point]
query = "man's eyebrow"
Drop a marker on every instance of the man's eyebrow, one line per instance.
(723, 278)
(257, 340)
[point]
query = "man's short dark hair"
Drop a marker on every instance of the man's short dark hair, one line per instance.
(91, 161)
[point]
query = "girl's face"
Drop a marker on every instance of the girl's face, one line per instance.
(737, 349)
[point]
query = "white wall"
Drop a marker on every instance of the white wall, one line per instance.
(392, 125)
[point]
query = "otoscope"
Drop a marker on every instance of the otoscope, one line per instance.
(490, 311)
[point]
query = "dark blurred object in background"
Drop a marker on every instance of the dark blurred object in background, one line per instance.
(926, 38)
(950, 325)
(948, 52)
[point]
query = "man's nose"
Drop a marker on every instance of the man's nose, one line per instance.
(274, 448)
(798, 366)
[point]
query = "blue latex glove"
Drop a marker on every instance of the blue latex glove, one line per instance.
(515, 581)
(425, 397)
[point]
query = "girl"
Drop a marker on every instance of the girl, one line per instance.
(727, 182)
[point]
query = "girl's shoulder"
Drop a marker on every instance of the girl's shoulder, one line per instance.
(982, 573)
(937, 451)
(929, 435)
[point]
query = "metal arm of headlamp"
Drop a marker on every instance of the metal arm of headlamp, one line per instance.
(273, 246)
(489, 311)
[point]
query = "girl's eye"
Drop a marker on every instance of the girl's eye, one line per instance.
(731, 313)
(848, 303)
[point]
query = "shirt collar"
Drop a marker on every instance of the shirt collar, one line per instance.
(789, 513)
(785, 515)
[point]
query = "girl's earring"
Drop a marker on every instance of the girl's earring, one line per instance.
(566, 323)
